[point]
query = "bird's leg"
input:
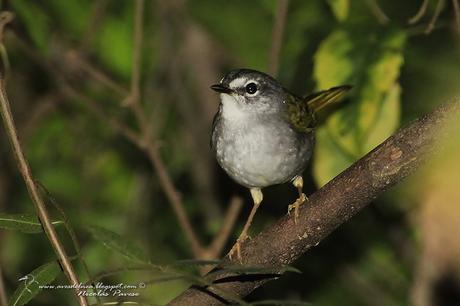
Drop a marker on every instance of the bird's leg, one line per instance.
(257, 197)
(298, 183)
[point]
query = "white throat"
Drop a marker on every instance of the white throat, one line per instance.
(232, 109)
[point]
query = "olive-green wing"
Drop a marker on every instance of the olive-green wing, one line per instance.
(299, 114)
(301, 111)
(318, 100)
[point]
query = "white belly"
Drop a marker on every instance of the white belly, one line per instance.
(261, 155)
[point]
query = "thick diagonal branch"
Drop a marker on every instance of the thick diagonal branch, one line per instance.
(335, 203)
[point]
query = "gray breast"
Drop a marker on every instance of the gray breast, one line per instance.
(262, 152)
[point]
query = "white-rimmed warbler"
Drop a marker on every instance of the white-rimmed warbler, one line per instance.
(263, 135)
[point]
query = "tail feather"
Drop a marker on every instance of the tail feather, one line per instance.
(319, 100)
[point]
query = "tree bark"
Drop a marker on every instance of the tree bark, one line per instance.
(335, 203)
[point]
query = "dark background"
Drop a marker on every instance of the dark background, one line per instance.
(70, 78)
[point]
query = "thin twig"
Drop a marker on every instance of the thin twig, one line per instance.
(332, 205)
(382, 18)
(230, 218)
(150, 147)
(133, 136)
(420, 13)
(175, 199)
(77, 61)
(435, 17)
(218, 243)
(277, 36)
(26, 173)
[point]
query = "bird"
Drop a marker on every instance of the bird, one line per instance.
(263, 135)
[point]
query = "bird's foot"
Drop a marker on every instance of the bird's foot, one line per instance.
(301, 200)
(236, 248)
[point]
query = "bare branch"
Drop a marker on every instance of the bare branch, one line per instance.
(26, 173)
(335, 203)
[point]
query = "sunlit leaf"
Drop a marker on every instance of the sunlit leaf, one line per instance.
(371, 63)
(31, 283)
(333, 65)
(115, 242)
(26, 223)
(387, 120)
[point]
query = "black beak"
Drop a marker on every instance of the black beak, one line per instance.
(221, 88)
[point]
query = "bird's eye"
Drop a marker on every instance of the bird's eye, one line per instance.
(251, 88)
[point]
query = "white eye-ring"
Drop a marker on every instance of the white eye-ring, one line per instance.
(251, 88)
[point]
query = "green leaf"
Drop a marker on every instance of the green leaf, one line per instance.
(387, 120)
(281, 303)
(333, 65)
(239, 269)
(115, 242)
(31, 283)
(340, 8)
(26, 223)
(372, 64)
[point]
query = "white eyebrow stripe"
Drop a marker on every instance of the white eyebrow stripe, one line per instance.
(237, 83)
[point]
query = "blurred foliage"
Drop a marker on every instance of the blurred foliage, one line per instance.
(111, 194)
(372, 63)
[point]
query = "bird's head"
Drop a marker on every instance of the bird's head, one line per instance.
(249, 91)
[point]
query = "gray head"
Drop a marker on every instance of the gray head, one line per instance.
(249, 91)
